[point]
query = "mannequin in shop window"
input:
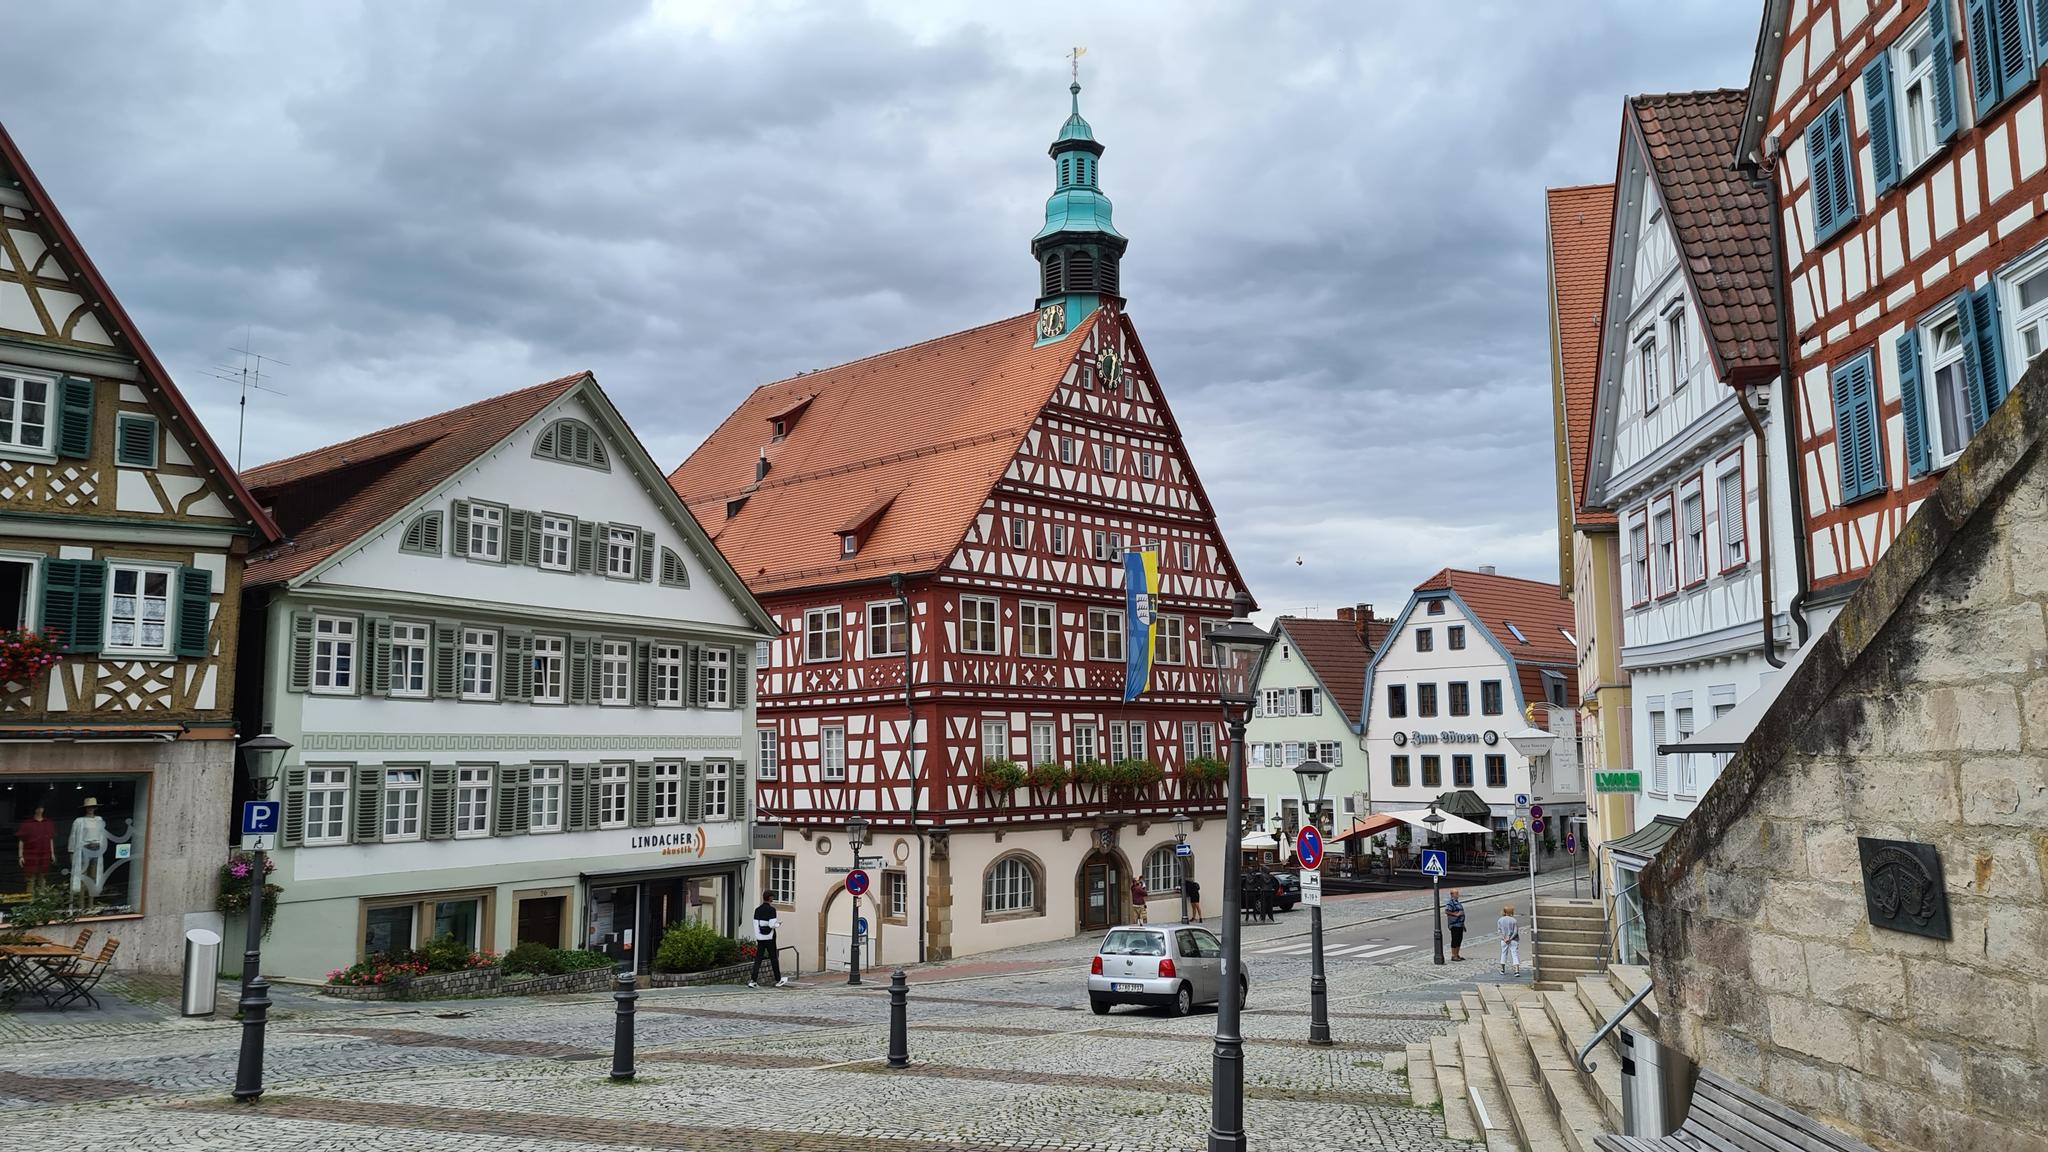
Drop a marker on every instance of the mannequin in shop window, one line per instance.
(35, 844)
(89, 843)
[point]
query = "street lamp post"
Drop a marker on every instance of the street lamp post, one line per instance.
(262, 755)
(1241, 647)
(1313, 777)
(1186, 863)
(857, 835)
(1436, 884)
(1532, 742)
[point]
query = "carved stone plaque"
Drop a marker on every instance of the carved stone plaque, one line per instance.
(1902, 887)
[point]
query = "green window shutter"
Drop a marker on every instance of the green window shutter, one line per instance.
(526, 666)
(1980, 25)
(369, 797)
(645, 570)
(576, 815)
(506, 799)
(440, 801)
(1818, 168)
(1912, 408)
(643, 795)
(742, 677)
(643, 667)
(74, 417)
(301, 672)
(2015, 46)
(1942, 45)
(579, 670)
(515, 666)
(135, 440)
(458, 528)
(195, 615)
(1858, 454)
(522, 805)
(60, 598)
(741, 792)
(693, 792)
(586, 546)
(292, 827)
(377, 641)
(515, 536)
(693, 685)
(89, 607)
(1989, 337)
(1839, 151)
(2040, 27)
(1877, 98)
(447, 662)
(423, 534)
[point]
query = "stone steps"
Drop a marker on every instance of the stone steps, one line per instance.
(1571, 931)
(1536, 1129)
(1459, 1123)
(1578, 1113)
(1570, 941)
(1422, 1091)
(1571, 1021)
(1489, 1104)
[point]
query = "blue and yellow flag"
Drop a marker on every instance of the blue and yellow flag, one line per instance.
(1141, 594)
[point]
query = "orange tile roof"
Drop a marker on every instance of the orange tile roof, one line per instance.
(330, 496)
(1581, 226)
(1338, 655)
(930, 427)
(123, 328)
(1538, 609)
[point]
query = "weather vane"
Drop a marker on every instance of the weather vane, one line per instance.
(1074, 58)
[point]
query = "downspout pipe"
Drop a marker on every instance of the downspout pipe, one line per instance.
(1795, 480)
(1763, 504)
(896, 585)
(1764, 175)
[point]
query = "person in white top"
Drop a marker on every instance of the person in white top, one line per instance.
(1510, 940)
(765, 924)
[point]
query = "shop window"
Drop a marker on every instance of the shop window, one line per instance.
(93, 830)
(387, 931)
(462, 919)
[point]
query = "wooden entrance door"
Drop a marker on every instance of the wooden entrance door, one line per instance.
(1101, 893)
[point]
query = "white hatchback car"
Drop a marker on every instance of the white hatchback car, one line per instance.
(1171, 966)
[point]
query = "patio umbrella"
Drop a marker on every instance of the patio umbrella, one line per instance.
(1369, 826)
(1450, 826)
(1259, 842)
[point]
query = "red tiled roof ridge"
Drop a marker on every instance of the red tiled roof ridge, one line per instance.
(899, 350)
(265, 475)
(861, 465)
(1692, 95)
(1442, 579)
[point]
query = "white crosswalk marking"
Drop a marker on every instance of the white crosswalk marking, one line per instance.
(1288, 949)
(1368, 951)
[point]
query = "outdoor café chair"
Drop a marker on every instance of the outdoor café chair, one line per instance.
(79, 978)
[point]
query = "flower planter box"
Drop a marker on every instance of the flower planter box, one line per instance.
(439, 986)
(731, 974)
(588, 980)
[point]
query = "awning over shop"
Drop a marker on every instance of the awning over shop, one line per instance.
(1370, 826)
(1731, 732)
(1644, 843)
(1448, 825)
(1464, 802)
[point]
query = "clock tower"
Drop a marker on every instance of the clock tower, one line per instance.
(1079, 251)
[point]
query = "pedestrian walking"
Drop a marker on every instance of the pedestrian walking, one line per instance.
(1138, 895)
(765, 924)
(1265, 895)
(1454, 919)
(1193, 888)
(1510, 941)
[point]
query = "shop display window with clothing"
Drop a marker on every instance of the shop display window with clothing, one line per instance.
(84, 835)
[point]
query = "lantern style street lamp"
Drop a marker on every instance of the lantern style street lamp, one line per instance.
(261, 756)
(1313, 777)
(1533, 743)
(1241, 648)
(857, 835)
(1185, 863)
(1434, 819)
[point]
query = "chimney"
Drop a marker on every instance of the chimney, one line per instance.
(1361, 616)
(1344, 614)
(1486, 570)
(761, 467)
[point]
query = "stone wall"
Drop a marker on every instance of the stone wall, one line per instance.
(1921, 716)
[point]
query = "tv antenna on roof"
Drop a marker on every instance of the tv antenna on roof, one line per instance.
(248, 375)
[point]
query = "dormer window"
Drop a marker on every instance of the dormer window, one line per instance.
(849, 543)
(781, 429)
(781, 423)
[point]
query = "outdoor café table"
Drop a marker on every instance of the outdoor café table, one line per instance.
(25, 967)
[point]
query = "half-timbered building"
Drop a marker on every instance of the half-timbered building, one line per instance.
(1905, 147)
(122, 536)
(940, 532)
(515, 673)
(1309, 695)
(1684, 436)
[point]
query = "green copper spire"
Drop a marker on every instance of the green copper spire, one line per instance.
(1079, 250)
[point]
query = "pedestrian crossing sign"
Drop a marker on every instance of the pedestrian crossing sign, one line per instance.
(1435, 862)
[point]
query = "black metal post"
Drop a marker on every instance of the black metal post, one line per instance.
(899, 1024)
(622, 1026)
(1226, 1084)
(1437, 917)
(853, 926)
(255, 993)
(1318, 987)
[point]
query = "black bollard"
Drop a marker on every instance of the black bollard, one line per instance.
(899, 1028)
(622, 1028)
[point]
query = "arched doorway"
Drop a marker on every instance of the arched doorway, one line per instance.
(1101, 886)
(835, 931)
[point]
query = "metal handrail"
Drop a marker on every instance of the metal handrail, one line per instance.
(1589, 1067)
(798, 970)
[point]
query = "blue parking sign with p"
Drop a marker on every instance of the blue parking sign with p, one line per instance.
(1435, 862)
(259, 817)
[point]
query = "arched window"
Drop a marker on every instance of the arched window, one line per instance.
(1053, 268)
(423, 534)
(573, 442)
(1107, 275)
(1080, 272)
(1010, 885)
(1162, 870)
(672, 570)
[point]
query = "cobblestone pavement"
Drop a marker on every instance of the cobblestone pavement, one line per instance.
(1004, 1057)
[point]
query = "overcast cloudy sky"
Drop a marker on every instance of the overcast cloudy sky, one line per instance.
(1335, 213)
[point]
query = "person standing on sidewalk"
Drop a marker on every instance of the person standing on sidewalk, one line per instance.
(1193, 889)
(1454, 919)
(765, 924)
(1138, 895)
(1510, 940)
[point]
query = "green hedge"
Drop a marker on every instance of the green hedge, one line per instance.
(694, 946)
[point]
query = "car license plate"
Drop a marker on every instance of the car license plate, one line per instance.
(1126, 987)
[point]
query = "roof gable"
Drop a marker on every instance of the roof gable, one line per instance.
(97, 323)
(930, 428)
(1580, 228)
(1337, 655)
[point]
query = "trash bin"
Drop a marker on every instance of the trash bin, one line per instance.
(202, 971)
(1656, 1085)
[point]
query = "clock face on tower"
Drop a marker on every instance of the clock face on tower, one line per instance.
(1052, 321)
(1110, 368)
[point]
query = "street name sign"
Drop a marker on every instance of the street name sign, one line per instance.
(1617, 781)
(871, 862)
(857, 882)
(1311, 887)
(1308, 845)
(1436, 862)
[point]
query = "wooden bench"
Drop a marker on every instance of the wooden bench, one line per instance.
(1727, 1117)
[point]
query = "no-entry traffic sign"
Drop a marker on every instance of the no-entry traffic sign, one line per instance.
(857, 882)
(1308, 846)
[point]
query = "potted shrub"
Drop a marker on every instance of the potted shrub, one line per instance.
(26, 654)
(1135, 778)
(1094, 776)
(232, 890)
(1205, 774)
(1046, 779)
(1000, 779)
(694, 946)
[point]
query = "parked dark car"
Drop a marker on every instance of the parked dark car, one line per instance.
(1287, 891)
